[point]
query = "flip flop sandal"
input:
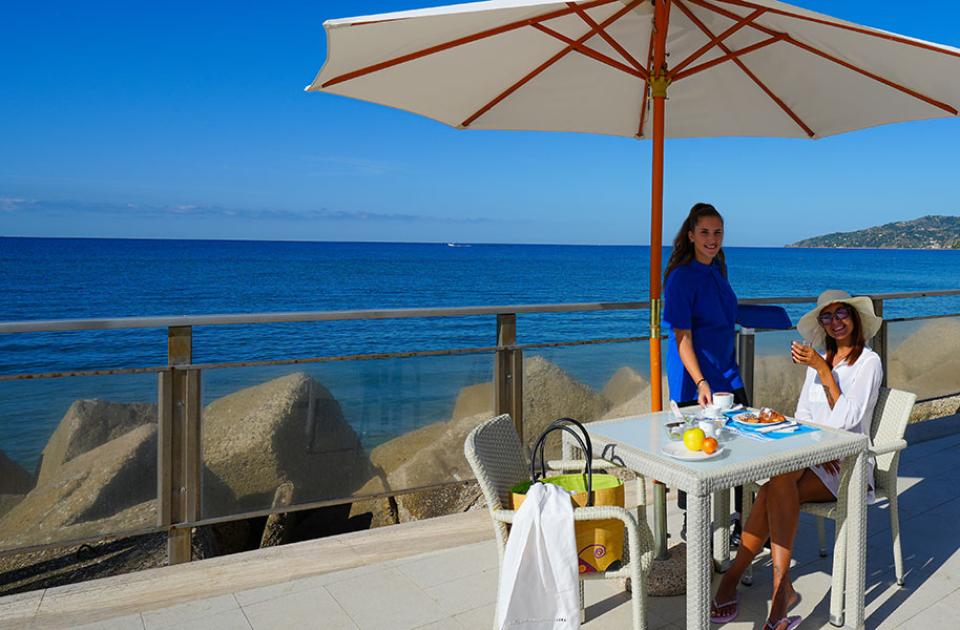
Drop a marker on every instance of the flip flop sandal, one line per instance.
(715, 605)
(792, 623)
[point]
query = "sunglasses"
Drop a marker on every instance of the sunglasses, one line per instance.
(841, 313)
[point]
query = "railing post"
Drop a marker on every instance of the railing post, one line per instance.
(879, 343)
(178, 452)
(746, 351)
(508, 372)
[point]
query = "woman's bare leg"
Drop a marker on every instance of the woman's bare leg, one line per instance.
(752, 537)
(786, 494)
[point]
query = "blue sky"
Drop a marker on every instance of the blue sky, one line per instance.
(189, 120)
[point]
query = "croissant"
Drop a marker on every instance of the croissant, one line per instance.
(769, 416)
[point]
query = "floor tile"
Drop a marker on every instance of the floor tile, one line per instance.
(265, 593)
(894, 606)
(226, 620)
(18, 608)
(444, 624)
(127, 622)
(443, 568)
(936, 616)
(302, 609)
(188, 612)
(481, 618)
(466, 593)
(400, 603)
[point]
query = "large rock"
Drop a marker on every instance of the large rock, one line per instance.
(8, 501)
(630, 394)
(434, 454)
(290, 429)
(928, 352)
(778, 381)
(550, 393)
(625, 385)
(474, 400)
(110, 488)
(430, 455)
(87, 425)
(13, 478)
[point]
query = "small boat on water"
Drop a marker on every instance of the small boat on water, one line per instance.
(458, 245)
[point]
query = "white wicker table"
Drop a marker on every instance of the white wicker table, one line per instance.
(635, 442)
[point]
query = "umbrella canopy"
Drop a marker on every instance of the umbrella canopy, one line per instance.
(737, 68)
(730, 67)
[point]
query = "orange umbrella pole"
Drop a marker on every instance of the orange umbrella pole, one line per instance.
(658, 90)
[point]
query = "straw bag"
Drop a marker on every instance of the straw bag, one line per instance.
(599, 543)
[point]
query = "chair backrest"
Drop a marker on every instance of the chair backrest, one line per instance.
(496, 457)
(890, 418)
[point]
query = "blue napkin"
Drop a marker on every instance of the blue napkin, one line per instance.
(773, 435)
(751, 430)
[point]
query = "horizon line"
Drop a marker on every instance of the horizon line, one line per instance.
(371, 242)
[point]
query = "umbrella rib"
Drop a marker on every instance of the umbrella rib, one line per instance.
(715, 41)
(734, 54)
(607, 37)
(453, 43)
(546, 64)
(646, 89)
(776, 99)
(590, 52)
(816, 51)
(848, 27)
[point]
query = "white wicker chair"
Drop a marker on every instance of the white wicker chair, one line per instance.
(497, 458)
(887, 428)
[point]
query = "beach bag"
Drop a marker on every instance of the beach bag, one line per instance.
(599, 543)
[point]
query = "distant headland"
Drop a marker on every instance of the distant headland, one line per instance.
(930, 232)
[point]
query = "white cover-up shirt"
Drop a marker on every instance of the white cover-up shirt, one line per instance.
(539, 576)
(859, 387)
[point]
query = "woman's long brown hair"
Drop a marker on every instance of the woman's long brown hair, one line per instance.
(858, 340)
(683, 251)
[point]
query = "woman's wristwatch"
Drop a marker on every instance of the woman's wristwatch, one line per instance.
(702, 380)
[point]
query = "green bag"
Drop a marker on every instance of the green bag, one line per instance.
(599, 543)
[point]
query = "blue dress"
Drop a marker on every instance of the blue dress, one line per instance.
(698, 298)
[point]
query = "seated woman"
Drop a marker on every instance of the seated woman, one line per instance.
(840, 390)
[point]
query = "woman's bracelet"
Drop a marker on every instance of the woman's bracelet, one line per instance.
(702, 380)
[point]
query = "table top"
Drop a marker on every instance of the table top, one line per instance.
(636, 441)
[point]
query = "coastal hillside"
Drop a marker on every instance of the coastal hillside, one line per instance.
(930, 232)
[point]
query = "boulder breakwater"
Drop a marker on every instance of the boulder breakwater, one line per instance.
(287, 441)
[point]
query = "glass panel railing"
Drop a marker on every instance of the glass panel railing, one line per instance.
(585, 382)
(923, 356)
(78, 458)
(340, 429)
(777, 379)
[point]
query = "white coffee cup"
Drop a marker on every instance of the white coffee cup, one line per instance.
(723, 400)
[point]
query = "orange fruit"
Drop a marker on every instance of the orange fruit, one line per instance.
(710, 446)
(693, 439)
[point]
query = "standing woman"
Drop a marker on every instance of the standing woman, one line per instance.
(701, 309)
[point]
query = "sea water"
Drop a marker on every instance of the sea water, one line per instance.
(107, 278)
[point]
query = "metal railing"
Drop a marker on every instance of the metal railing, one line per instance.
(179, 382)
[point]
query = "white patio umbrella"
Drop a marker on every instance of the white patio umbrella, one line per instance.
(729, 67)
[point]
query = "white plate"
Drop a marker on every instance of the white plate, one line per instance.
(677, 450)
(757, 425)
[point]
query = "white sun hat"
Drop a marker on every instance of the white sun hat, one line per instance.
(811, 330)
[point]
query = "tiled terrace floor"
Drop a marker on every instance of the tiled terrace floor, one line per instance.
(442, 574)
